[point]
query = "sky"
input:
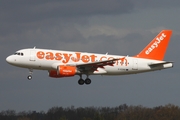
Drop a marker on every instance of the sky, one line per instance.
(121, 27)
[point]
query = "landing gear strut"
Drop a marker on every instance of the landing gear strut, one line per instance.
(29, 77)
(87, 81)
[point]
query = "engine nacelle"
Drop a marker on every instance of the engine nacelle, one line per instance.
(53, 73)
(66, 71)
(63, 71)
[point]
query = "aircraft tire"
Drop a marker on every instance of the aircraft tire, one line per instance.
(88, 81)
(81, 82)
(29, 77)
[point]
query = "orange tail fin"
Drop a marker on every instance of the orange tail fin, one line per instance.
(156, 49)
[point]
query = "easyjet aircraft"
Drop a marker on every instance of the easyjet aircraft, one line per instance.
(69, 63)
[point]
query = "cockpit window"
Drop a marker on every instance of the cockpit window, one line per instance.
(18, 53)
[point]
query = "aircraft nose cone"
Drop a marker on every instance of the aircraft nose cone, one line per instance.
(9, 60)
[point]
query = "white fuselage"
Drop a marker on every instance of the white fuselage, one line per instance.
(44, 59)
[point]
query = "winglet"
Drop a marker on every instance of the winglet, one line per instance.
(156, 49)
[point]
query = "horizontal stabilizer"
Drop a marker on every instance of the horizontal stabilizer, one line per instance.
(159, 64)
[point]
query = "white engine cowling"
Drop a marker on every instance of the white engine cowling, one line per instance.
(63, 71)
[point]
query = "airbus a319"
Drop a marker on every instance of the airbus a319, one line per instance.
(60, 64)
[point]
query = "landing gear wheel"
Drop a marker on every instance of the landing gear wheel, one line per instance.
(29, 77)
(88, 81)
(81, 82)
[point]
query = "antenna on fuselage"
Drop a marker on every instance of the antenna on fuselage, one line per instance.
(34, 47)
(107, 53)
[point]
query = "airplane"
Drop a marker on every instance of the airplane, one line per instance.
(61, 64)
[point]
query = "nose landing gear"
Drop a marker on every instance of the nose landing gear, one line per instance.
(29, 77)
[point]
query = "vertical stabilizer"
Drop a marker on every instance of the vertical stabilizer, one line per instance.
(156, 49)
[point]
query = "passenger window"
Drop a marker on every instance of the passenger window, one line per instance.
(22, 54)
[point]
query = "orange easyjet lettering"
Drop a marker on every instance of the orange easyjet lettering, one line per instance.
(49, 56)
(66, 57)
(124, 61)
(40, 55)
(58, 56)
(93, 57)
(85, 58)
(77, 58)
(103, 58)
(116, 62)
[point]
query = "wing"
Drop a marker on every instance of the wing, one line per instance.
(93, 66)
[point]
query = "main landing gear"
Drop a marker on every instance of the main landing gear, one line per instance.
(87, 81)
(29, 77)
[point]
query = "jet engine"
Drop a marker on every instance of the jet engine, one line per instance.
(63, 71)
